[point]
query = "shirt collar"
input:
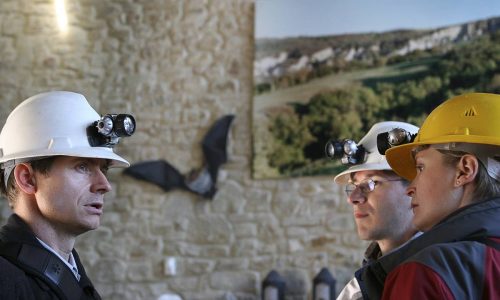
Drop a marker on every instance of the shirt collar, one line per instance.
(71, 263)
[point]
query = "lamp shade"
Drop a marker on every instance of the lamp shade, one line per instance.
(273, 287)
(324, 285)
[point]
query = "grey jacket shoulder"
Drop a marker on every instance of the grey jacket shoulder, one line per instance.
(448, 259)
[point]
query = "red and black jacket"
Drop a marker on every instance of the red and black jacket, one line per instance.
(459, 258)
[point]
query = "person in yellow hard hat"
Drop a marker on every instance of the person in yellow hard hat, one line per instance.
(454, 166)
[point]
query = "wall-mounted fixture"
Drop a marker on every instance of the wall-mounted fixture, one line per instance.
(324, 286)
(273, 287)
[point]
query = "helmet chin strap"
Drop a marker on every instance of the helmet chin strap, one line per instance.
(487, 155)
(8, 166)
(6, 173)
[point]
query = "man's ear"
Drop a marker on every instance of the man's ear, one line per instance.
(467, 169)
(25, 178)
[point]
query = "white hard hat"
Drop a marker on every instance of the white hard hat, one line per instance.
(49, 124)
(374, 160)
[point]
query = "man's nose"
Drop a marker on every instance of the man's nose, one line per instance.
(101, 183)
(356, 197)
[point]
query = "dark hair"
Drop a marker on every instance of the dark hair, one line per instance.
(39, 165)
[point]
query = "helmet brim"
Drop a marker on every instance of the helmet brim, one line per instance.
(401, 160)
(93, 152)
(343, 177)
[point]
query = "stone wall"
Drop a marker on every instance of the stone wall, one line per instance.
(177, 66)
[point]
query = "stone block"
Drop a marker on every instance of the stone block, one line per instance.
(209, 229)
(139, 271)
(245, 230)
(239, 281)
(184, 283)
(246, 247)
(232, 264)
(198, 266)
(110, 270)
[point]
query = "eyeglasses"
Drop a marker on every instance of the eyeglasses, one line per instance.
(365, 187)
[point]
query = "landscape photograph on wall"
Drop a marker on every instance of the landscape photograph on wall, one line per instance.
(328, 70)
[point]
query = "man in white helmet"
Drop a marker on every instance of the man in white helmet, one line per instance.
(382, 210)
(54, 153)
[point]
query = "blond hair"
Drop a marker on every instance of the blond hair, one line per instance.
(486, 186)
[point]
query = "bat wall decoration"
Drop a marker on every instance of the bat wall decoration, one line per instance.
(201, 181)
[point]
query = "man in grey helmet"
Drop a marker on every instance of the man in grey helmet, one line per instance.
(55, 151)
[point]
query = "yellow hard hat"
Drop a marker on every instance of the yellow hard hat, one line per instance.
(471, 118)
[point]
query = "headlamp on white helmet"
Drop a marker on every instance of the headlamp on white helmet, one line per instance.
(365, 155)
(346, 150)
(61, 123)
(107, 131)
(395, 137)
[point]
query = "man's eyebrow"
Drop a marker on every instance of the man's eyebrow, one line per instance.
(103, 163)
(369, 175)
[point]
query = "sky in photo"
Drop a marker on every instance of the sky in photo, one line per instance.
(287, 18)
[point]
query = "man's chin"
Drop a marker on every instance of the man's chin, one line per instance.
(89, 225)
(364, 236)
